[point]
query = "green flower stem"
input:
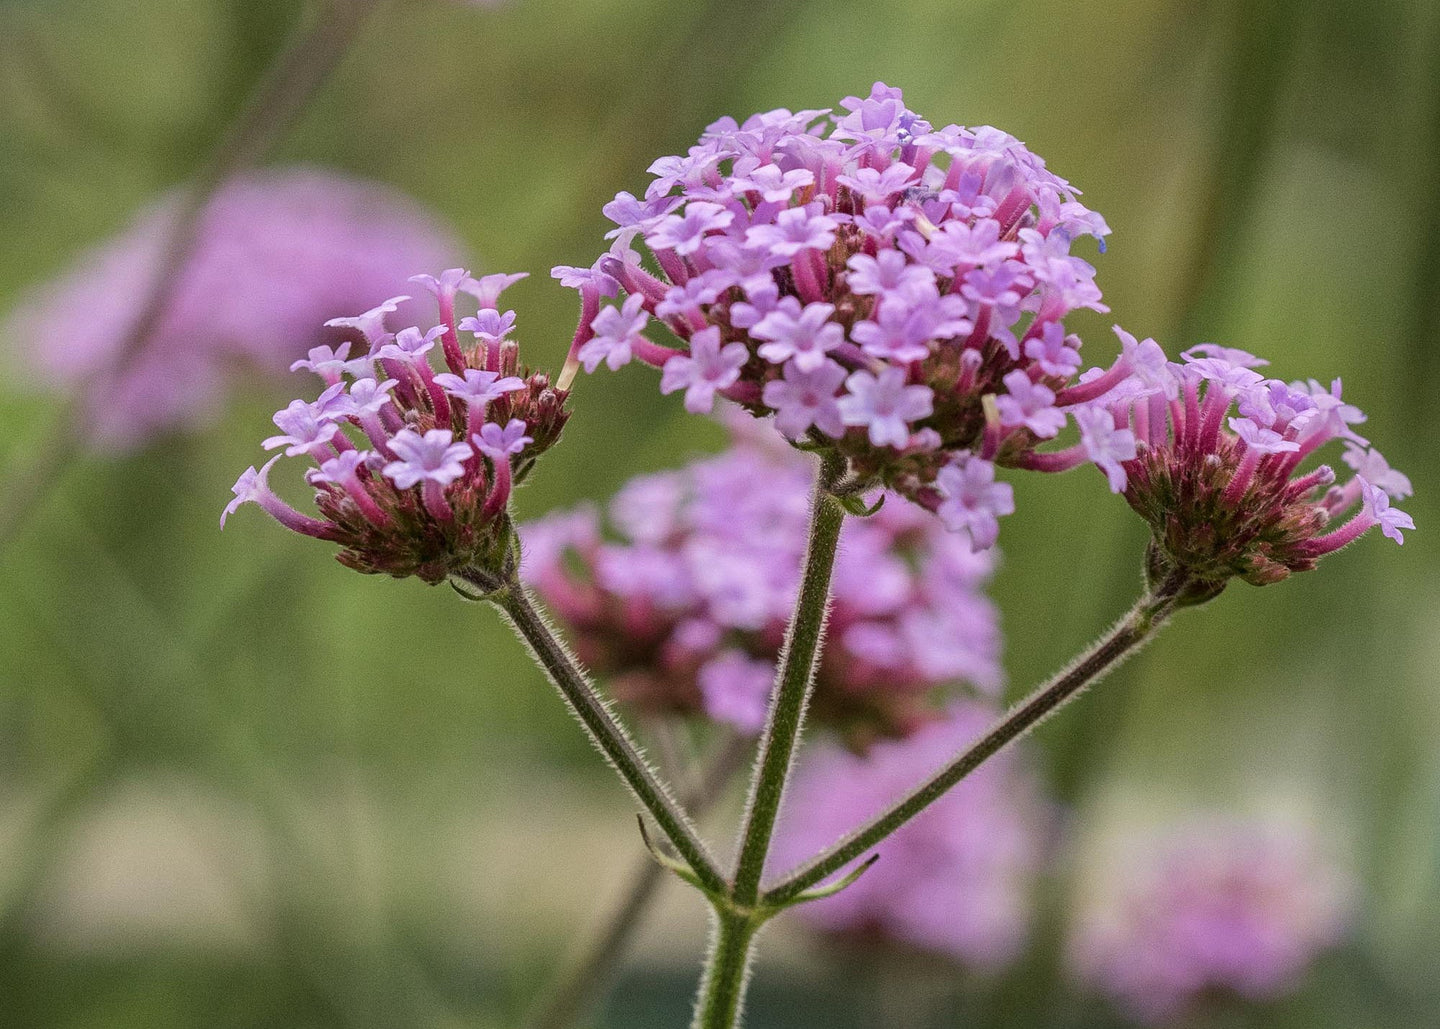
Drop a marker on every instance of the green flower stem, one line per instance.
(609, 735)
(798, 660)
(738, 914)
(1145, 618)
(727, 968)
(584, 982)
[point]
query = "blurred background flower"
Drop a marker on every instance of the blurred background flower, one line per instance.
(960, 879)
(239, 786)
(1209, 911)
(685, 612)
(278, 252)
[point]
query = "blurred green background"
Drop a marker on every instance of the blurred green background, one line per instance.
(242, 786)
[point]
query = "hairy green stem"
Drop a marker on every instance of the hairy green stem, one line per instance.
(727, 969)
(1147, 616)
(798, 660)
(738, 915)
(584, 982)
(609, 735)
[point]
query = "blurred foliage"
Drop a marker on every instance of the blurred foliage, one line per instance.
(378, 806)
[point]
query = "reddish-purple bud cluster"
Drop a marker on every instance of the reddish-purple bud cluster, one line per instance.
(412, 469)
(1227, 495)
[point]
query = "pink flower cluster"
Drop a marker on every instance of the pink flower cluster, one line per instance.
(683, 608)
(277, 251)
(889, 291)
(1220, 906)
(956, 880)
(1228, 495)
(412, 469)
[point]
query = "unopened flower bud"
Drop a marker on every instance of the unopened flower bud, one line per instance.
(1228, 495)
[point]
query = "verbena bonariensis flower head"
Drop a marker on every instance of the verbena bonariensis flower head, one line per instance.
(1217, 907)
(891, 293)
(277, 251)
(413, 470)
(956, 880)
(683, 605)
(1215, 457)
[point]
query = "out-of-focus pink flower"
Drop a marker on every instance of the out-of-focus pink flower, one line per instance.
(684, 608)
(957, 879)
(1215, 905)
(278, 251)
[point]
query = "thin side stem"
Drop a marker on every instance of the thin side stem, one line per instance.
(582, 985)
(585, 982)
(727, 967)
(44, 839)
(609, 735)
(798, 660)
(1147, 616)
(280, 96)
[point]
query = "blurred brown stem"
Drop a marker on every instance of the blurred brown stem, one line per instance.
(586, 979)
(1425, 287)
(288, 84)
(1263, 41)
(44, 838)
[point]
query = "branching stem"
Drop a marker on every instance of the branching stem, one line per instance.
(1128, 634)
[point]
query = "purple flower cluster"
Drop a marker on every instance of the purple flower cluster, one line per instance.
(1229, 907)
(1224, 494)
(276, 252)
(956, 880)
(684, 608)
(887, 291)
(412, 469)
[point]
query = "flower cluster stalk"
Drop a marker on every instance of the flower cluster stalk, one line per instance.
(792, 691)
(738, 917)
(723, 986)
(727, 970)
(741, 908)
(609, 735)
(1147, 616)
